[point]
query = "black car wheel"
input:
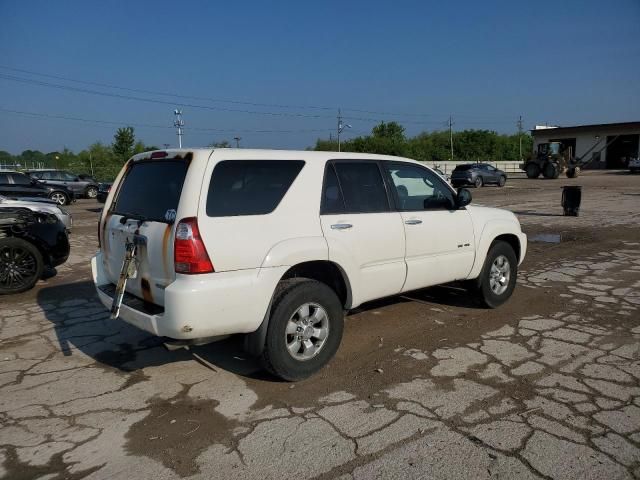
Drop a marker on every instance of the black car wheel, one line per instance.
(91, 192)
(59, 197)
(478, 183)
(305, 329)
(502, 181)
(21, 265)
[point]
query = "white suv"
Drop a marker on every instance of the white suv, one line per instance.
(277, 245)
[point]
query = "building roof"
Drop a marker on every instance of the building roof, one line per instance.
(546, 131)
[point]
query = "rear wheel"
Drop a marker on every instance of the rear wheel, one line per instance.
(497, 280)
(92, 192)
(305, 329)
(550, 170)
(59, 197)
(21, 265)
(478, 182)
(502, 181)
(533, 170)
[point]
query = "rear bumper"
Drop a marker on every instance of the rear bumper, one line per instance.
(198, 306)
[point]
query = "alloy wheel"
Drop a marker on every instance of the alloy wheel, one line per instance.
(307, 331)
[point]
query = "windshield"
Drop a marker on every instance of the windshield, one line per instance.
(150, 189)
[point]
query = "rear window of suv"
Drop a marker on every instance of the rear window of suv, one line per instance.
(249, 187)
(462, 168)
(150, 189)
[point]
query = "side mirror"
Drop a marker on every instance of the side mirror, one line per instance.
(463, 198)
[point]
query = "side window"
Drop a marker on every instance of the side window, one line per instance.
(332, 200)
(4, 179)
(362, 187)
(249, 187)
(36, 175)
(21, 179)
(67, 177)
(417, 188)
(50, 176)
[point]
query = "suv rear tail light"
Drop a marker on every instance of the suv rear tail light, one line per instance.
(189, 253)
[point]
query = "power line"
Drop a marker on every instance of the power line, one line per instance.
(146, 125)
(236, 102)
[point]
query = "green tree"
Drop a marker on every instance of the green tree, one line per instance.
(222, 144)
(123, 143)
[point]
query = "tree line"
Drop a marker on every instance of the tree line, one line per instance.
(468, 145)
(105, 161)
(102, 160)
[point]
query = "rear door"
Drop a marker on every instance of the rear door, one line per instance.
(143, 211)
(439, 237)
(363, 233)
(24, 187)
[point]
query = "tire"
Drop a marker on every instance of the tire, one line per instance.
(478, 182)
(280, 355)
(502, 181)
(550, 170)
(30, 262)
(59, 197)
(533, 170)
(91, 192)
(493, 294)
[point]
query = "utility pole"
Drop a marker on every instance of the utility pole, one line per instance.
(341, 127)
(91, 163)
(451, 134)
(520, 134)
(237, 139)
(178, 123)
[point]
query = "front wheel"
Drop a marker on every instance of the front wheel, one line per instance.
(502, 181)
(21, 265)
(59, 197)
(305, 329)
(478, 183)
(533, 170)
(497, 280)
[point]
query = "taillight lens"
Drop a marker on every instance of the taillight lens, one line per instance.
(189, 253)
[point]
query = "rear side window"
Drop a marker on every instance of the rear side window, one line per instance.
(362, 187)
(21, 179)
(462, 168)
(250, 187)
(150, 189)
(4, 178)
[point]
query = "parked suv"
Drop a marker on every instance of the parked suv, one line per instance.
(277, 245)
(81, 187)
(477, 174)
(19, 185)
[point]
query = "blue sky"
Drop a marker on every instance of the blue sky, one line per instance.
(568, 62)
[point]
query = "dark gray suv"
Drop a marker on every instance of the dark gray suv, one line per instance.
(80, 187)
(477, 174)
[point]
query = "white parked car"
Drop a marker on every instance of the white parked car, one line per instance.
(37, 204)
(277, 245)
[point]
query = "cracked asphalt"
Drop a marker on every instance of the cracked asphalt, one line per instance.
(425, 385)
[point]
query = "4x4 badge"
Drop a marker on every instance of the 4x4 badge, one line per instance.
(170, 215)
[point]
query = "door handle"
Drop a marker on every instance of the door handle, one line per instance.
(341, 226)
(413, 221)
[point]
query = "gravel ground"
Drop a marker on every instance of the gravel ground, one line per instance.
(425, 385)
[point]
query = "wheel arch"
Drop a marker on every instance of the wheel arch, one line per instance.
(324, 271)
(498, 230)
